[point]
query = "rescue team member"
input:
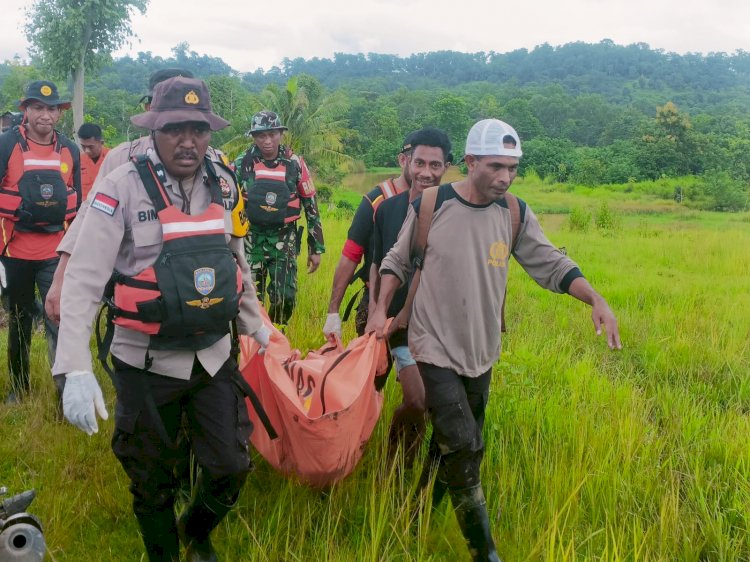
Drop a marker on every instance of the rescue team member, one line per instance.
(116, 157)
(358, 246)
(40, 192)
(94, 151)
(454, 330)
(428, 160)
(278, 186)
(164, 225)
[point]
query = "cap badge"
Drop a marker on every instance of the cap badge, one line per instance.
(192, 98)
(46, 91)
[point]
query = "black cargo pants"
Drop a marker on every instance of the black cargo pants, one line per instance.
(23, 277)
(456, 405)
(218, 429)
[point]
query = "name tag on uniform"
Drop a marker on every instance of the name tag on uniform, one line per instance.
(105, 204)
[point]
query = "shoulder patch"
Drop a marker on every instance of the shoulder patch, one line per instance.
(105, 204)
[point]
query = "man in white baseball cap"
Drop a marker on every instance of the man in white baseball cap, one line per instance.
(455, 327)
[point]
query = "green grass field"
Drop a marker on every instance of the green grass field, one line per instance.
(639, 455)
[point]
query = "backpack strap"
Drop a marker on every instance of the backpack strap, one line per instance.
(515, 225)
(515, 218)
(418, 247)
(150, 179)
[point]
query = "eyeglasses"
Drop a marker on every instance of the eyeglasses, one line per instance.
(175, 130)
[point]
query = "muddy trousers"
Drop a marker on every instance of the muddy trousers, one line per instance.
(456, 405)
(23, 277)
(218, 429)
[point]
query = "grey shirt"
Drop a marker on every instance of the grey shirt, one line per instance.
(455, 321)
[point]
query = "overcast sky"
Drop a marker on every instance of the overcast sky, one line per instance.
(248, 38)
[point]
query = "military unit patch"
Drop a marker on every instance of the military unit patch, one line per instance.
(226, 189)
(204, 279)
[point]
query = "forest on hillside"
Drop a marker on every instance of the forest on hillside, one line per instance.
(587, 114)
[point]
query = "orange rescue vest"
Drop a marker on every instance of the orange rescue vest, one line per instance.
(189, 296)
(40, 201)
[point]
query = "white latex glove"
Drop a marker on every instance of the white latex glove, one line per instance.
(82, 400)
(332, 325)
(263, 337)
(3, 278)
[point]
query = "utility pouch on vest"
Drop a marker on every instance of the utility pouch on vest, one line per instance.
(272, 199)
(196, 307)
(44, 198)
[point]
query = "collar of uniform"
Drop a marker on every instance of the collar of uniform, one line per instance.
(188, 184)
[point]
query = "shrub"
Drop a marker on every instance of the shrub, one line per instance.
(725, 193)
(344, 209)
(605, 220)
(579, 220)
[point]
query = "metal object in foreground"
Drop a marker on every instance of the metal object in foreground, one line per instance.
(21, 537)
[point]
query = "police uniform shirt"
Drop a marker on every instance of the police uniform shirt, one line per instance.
(121, 231)
(115, 158)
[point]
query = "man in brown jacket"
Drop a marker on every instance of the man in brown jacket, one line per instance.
(454, 330)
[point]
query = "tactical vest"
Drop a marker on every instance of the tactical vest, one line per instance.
(189, 296)
(40, 201)
(272, 199)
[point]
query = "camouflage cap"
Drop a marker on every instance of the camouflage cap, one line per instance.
(45, 92)
(266, 121)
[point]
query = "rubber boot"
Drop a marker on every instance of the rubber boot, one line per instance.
(159, 536)
(471, 511)
(203, 514)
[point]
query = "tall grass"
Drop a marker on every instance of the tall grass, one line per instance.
(640, 455)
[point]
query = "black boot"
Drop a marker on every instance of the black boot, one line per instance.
(211, 502)
(471, 512)
(159, 536)
(195, 526)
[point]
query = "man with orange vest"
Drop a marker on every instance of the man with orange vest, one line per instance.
(163, 229)
(40, 192)
(94, 151)
(278, 186)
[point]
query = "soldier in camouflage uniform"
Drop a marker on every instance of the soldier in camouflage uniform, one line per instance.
(277, 186)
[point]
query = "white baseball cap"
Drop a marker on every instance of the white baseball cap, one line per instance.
(486, 139)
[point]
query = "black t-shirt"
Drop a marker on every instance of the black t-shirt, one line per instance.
(360, 231)
(389, 219)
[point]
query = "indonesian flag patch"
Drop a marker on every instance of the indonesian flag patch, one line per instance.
(105, 204)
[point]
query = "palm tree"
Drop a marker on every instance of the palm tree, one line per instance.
(316, 120)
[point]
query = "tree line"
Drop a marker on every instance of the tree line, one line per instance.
(586, 113)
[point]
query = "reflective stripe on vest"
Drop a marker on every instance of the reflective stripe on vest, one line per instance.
(40, 201)
(272, 199)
